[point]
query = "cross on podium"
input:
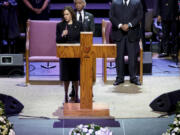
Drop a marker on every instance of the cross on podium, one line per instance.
(86, 51)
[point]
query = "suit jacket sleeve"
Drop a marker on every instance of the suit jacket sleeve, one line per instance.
(144, 5)
(92, 25)
(112, 16)
(59, 30)
(139, 15)
(89, 23)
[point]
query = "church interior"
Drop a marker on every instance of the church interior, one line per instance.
(33, 93)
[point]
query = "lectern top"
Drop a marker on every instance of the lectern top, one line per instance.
(62, 44)
(84, 32)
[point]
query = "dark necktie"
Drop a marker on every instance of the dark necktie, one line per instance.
(80, 17)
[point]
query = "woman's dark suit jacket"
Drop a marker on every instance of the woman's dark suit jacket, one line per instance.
(69, 67)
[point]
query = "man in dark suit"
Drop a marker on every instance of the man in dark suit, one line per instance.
(126, 16)
(87, 20)
(167, 12)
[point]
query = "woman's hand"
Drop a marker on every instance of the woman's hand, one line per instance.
(37, 10)
(64, 33)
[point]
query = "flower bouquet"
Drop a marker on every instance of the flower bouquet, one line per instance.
(6, 128)
(175, 126)
(90, 129)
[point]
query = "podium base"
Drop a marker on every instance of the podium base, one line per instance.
(74, 110)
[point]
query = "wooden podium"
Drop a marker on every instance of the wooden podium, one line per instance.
(86, 51)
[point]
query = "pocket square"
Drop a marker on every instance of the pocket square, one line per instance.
(86, 17)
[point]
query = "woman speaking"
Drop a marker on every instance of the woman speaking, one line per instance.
(68, 31)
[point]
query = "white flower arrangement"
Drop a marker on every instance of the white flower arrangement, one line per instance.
(6, 128)
(90, 129)
(174, 128)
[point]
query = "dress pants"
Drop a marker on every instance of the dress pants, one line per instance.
(131, 48)
(167, 27)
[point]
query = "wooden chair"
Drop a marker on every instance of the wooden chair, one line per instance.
(40, 43)
(106, 30)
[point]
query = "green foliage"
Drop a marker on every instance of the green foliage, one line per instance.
(174, 128)
(178, 108)
(1, 108)
(5, 125)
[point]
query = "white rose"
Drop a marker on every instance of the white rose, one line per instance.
(176, 129)
(178, 115)
(175, 122)
(80, 126)
(173, 134)
(85, 130)
(2, 119)
(90, 131)
(103, 129)
(98, 132)
(11, 132)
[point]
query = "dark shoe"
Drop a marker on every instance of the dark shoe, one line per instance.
(77, 100)
(66, 99)
(72, 94)
(118, 81)
(163, 55)
(135, 81)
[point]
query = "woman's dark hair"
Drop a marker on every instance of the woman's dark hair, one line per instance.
(71, 10)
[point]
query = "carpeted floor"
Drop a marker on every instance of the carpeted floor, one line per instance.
(125, 101)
